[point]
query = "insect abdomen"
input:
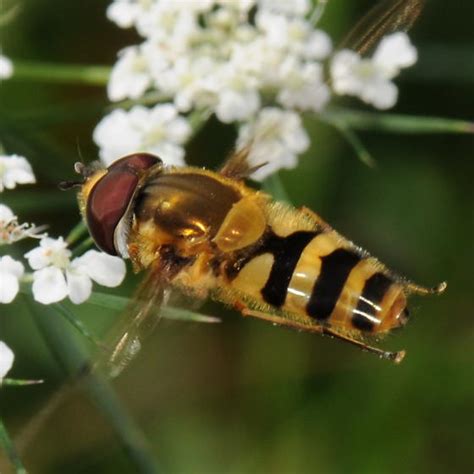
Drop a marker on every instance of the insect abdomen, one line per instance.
(320, 278)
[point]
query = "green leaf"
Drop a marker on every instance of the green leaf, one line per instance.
(119, 303)
(274, 186)
(394, 123)
(76, 322)
(357, 144)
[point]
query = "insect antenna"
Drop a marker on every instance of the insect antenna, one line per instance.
(66, 185)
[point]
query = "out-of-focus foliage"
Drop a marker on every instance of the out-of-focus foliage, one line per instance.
(243, 396)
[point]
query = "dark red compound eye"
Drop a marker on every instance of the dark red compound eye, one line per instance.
(111, 196)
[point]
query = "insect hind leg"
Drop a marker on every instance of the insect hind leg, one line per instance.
(396, 357)
(421, 290)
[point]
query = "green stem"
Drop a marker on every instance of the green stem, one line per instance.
(119, 303)
(9, 448)
(72, 357)
(274, 186)
(76, 233)
(20, 382)
(150, 98)
(357, 144)
(394, 123)
(77, 323)
(83, 246)
(65, 73)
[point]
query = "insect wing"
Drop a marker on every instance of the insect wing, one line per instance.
(237, 165)
(136, 323)
(387, 16)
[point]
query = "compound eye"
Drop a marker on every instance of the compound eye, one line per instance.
(107, 204)
(111, 196)
(136, 161)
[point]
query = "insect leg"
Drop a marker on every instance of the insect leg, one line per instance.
(396, 357)
(421, 290)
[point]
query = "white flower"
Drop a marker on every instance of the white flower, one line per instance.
(6, 360)
(170, 22)
(50, 252)
(190, 81)
(130, 76)
(14, 170)
(237, 97)
(49, 285)
(159, 130)
(57, 277)
(296, 35)
(10, 273)
(370, 79)
(276, 138)
(395, 52)
(302, 86)
(6, 67)
(293, 7)
(126, 12)
(11, 231)
(104, 269)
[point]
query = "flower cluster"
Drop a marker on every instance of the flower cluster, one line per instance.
(370, 79)
(55, 275)
(255, 63)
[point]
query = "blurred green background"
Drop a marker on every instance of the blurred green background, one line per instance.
(244, 396)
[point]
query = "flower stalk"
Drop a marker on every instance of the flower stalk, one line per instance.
(61, 73)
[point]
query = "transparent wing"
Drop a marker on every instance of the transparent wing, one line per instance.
(137, 321)
(144, 312)
(237, 165)
(387, 16)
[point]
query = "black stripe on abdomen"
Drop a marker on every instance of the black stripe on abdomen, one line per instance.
(286, 252)
(372, 295)
(335, 269)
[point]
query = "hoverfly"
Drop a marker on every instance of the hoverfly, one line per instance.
(210, 235)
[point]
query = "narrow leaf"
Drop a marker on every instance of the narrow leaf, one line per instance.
(119, 303)
(394, 123)
(357, 145)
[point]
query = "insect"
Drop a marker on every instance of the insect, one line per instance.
(210, 235)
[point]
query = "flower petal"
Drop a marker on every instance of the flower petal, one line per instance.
(395, 52)
(80, 286)
(6, 359)
(8, 288)
(104, 269)
(11, 266)
(49, 285)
